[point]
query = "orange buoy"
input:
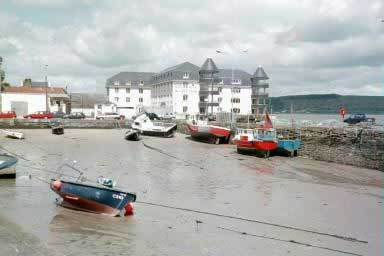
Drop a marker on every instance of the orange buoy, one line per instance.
(128, 209)
(56, 185)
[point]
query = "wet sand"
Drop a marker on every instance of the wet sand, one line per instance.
(287, 206)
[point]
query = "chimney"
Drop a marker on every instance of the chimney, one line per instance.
(27, 82)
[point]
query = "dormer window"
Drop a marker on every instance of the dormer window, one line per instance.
(128, 83)
(236, 81)
(117, 83)
(141, 82)
(186, 75)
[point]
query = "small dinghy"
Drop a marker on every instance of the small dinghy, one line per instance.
(7, 166)
(100, 197)
(57, 128)
(132, 134)
(13, 134)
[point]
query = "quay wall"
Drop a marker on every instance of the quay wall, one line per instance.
(352, 145)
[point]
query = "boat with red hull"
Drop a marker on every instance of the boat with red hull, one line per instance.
(212, 133)
(93, 198)
(258, 140)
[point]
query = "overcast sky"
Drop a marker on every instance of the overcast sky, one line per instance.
(334, 46)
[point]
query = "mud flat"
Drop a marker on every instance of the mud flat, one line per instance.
(194, 199)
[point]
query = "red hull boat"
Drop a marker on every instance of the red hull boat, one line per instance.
(212, 133)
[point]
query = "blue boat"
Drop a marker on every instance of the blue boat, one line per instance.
(7, 166)
(289, 146)
(93, 198)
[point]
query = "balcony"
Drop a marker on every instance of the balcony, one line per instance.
(259, 95)
(208, 104)
(209, 92)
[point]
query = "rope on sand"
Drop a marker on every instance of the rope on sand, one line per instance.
(351, 239)
(172, 156)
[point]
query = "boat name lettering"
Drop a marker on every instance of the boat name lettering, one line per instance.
(115, 196)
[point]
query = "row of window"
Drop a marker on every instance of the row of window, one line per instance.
(127, 99)
(169, 74)
(127, 83)
(128, 90)
(235, 100)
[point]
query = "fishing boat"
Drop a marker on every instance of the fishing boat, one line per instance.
(202, 130)
(146, 125)
(259, 140)
(13, 134)
(132, 134)
(93, 198)
(7, 166)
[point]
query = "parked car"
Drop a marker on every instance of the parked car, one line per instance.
(75, 115)
(40, 115)
(58, 114)
(109, 116)
(357, 118)
(8, 114)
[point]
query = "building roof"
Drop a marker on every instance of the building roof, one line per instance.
(260, 74)
(87, 100)
(226, 76)
(133, 77)
(37, 90)
(183, 67)
(209, 66)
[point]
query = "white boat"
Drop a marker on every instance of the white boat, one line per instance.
(146, 125)
(13, 134)
(7, 166)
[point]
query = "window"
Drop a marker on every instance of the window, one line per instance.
(141, 82)
(128, 90)
(219, 99)
(128, 83)
(219, 109)
(186, 75)
(99, 106)
(140, 99)
(236, 81)
(185, 109)
(185, 97)
(235, 90)
(116, 90)
(235, 100)
(235, 110)
(220, 89)
(185, 85)
(127, 99)
(202, 110)
(117, 83)
(117, 99)
(140, 90)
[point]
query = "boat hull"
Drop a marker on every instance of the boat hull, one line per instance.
(288, 147)
(93, 199)
(132, 135)
(7, 167)
(14, 135)
(209, 132)
(167, 133)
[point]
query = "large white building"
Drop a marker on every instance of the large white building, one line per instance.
(176, 91)
(130, 92)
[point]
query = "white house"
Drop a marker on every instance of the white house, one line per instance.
(103, 108)
(26, 100)
(130, 92)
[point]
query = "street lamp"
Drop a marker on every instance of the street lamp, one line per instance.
(46, 88)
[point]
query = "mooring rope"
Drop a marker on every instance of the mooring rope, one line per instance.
(172, 156)
(289, 241)
(351, 239)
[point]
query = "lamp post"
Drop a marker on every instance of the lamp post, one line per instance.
(46, 88)
(232, 76)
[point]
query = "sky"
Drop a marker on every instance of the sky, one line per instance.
(305, 46)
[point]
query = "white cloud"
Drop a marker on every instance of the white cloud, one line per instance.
(305, 46)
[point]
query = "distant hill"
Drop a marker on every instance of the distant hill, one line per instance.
(328, 104)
